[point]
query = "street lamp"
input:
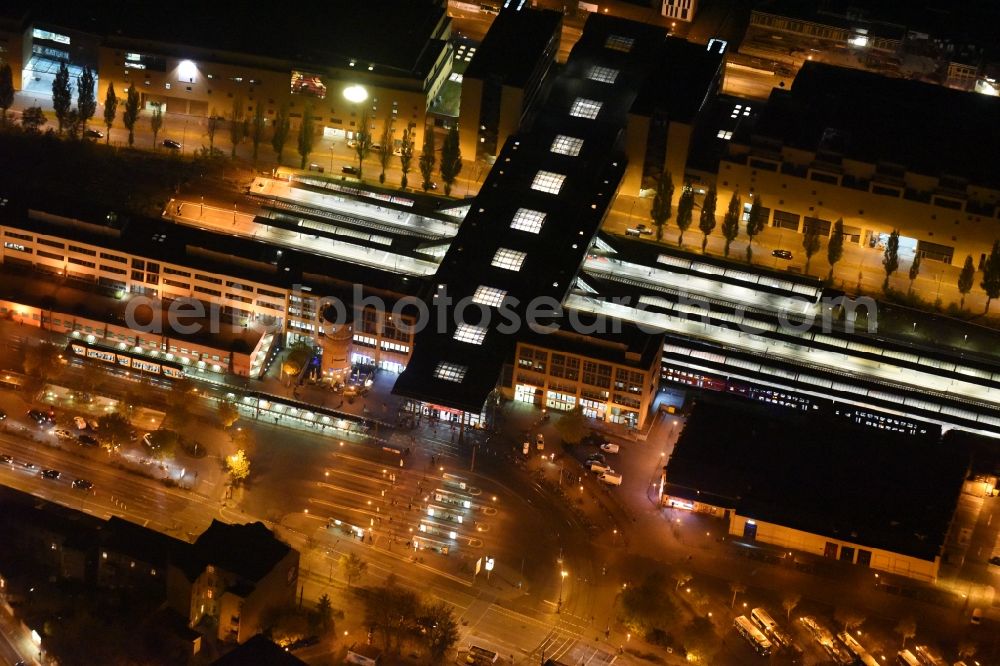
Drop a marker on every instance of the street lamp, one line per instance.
(562, 577)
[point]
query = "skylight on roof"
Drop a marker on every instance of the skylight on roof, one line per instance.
(602, 74)
(471, 334)
(528, 220)
(547, 181)
(508, 259)
(585, 108)
(619, 43)
(567, 145)
(450, 372)
(489, 296)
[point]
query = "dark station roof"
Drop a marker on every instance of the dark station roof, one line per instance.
(250, 551)
(542, 203)
(877, 489)
(926, 128)
(258, 651)
(401, 36)
(508, 52)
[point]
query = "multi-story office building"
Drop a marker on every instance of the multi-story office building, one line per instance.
(13, 16)
(879, 152)
(182, 61)
(501, 90)
(679, 10)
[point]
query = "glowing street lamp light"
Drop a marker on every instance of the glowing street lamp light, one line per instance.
(355, 94)
(562, 577)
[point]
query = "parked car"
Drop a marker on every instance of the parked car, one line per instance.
(93, 424)
(81, 423)
(3, 415)
(36, 416)
(639, 230)
(977, 616)
(525, 448)
(6, 459)
(29, 465)
(596, 457)
(540, 442)
(349, 170)
(87, 440)
(62, 433)
(51, 473)
(611, 477)
(82, 484)
(170, 143)
(781, 254)
(93, 134)
(610, 447)
(597, 467)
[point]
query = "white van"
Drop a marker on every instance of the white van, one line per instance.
(598, 467)
(611, 477)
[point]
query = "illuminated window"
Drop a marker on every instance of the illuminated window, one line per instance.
(602, 74)
(567, 145)
(619, 43)
(547, 181)
(489, 296)
(528, 220)
(510, 260)
(450, 372)
(470, 333)
(585, 108)
(724, 134)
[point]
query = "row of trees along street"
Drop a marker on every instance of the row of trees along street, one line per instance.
(661, 212)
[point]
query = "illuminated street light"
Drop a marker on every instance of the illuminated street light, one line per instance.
(562, 577)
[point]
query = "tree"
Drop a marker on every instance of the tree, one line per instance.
(363, 142)
(353, 567)
(850, 619)
(789, 603)
(890, 258)
(810, 242)
(228, 413)
(156, 122)
(427, 158)
(451, 159)
(62, 95)
(914, 270)
(257, 125)
(307, 136)
(131, 114)
(86, 96)
(731, 221)
(114, 429)
(438, 621)
(406, 153)
(211, 127)
(685, 208)
(573, 426)
(390, 609)
(966, 279)
(43, 361)
(907, 629)
(110, 110)
(238, 466)
(72, 124)
(706, 222)
(32, 119)
(385, 147)
(648, 605)
(662, 207)
(736, 587)
(6, 91)
(279, 133)
(991, 275)
(237, 124)
(163, 443)
(756, 221)
(835, 246)
(324, 613)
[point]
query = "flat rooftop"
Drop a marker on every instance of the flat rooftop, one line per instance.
(510, 50)
(397, 35)
(926, 128)
(877, 489)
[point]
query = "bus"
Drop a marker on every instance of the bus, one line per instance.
(906, 658)
(757, 640)
(770, 628)
(927, 657)
(855, 648)
(481, 656)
